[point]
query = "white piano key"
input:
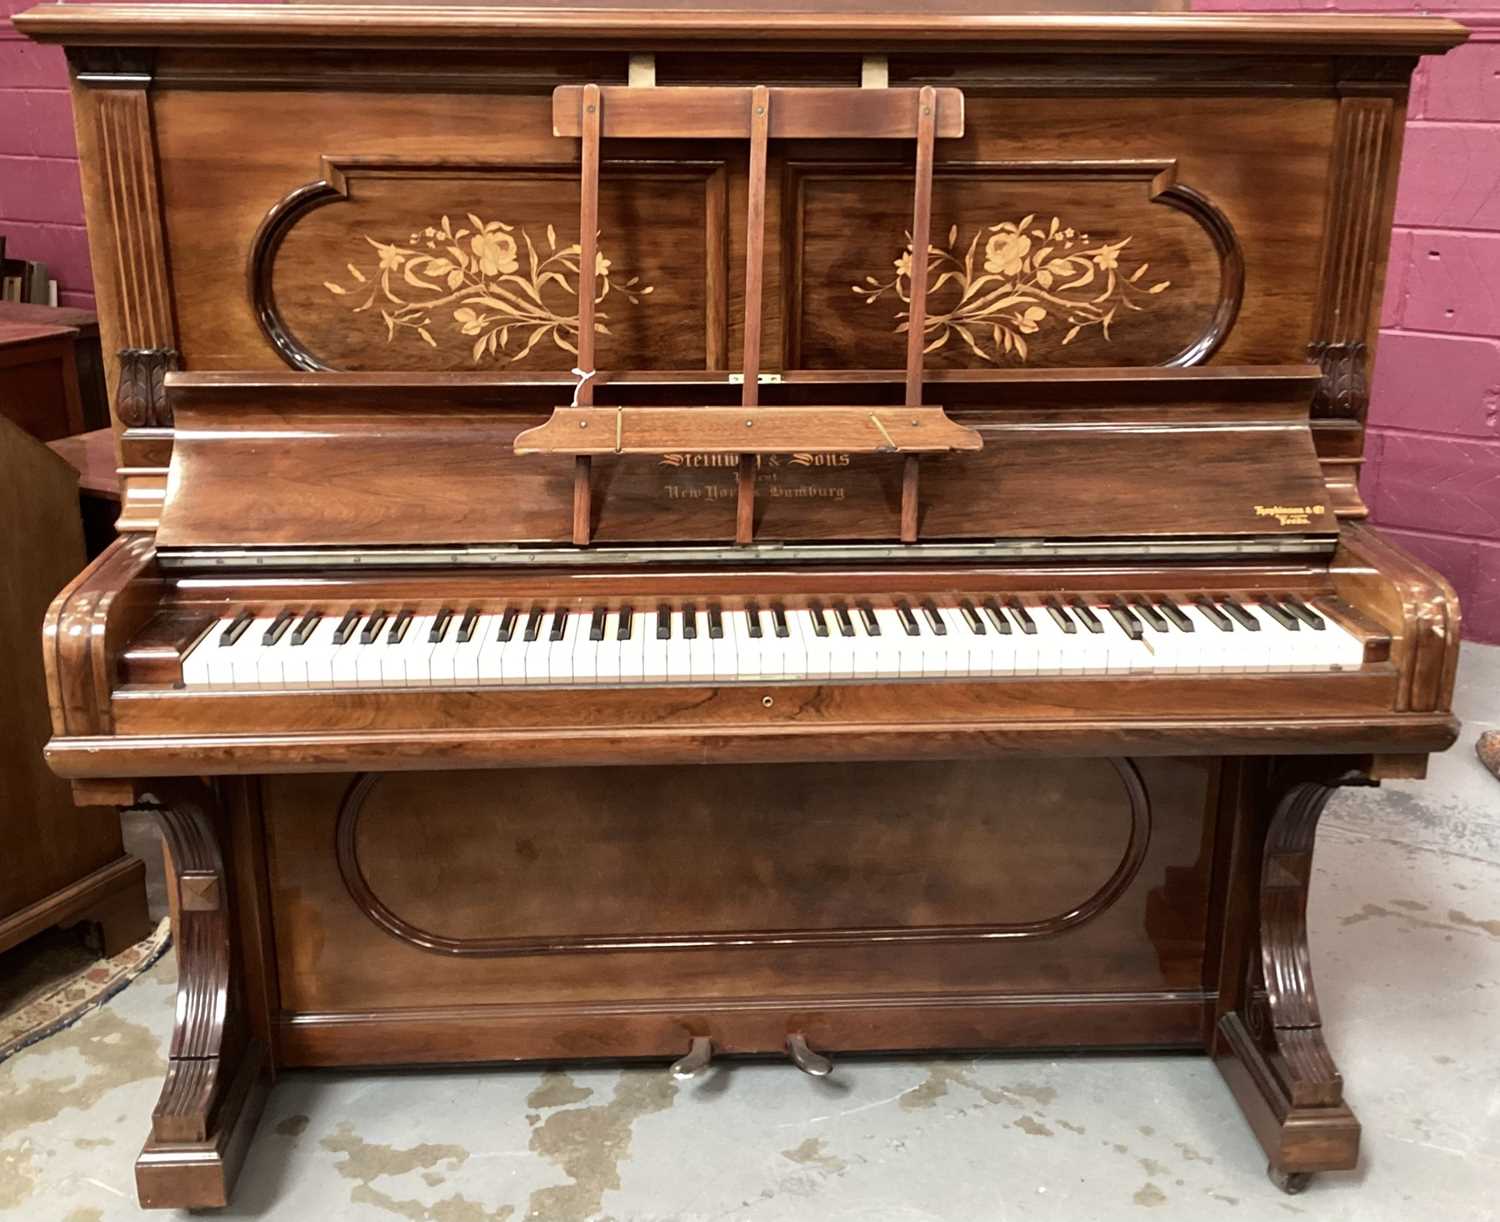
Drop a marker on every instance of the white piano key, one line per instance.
(679, 655)
(477, 660)
(283, 665)
(725, 651)
(440, 662)
(1342, 650)
(196, 667)
(607, 650)
(560, 652)
(889, 654)
(700, 652)
(244, 655)
(654, 648)
(633, 649)
(344, 663)
(865, 650)
(772, 647)
(415, 651)
(515, 656)
(585, 661)
(1216, 654)
(818, 652)
(746, 647)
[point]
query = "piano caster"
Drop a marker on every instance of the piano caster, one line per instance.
(814, 1064)
(695, 1061)
(1290, 1182)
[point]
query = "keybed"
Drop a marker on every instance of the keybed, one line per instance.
(708, 641)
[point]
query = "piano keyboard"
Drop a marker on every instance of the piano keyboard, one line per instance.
(694, 641)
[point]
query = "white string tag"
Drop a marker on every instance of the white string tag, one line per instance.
(582, 378)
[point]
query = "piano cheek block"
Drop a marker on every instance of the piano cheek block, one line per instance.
(480, 694)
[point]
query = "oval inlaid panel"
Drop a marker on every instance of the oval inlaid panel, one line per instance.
(383, 264)
(1031, 264)
(532, 861)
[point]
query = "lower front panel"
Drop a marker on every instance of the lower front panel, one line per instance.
(615, 912)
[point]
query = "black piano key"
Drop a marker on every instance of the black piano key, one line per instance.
(663, 622)
(1303, 612)
(689, 621)
(1060, 617)
(305, 628)
(1150, 614)
(872, 625)
(470, 622)
(971, 617)
(596, 624)
(752, 617)
(1084, 614)
(346, 627)
(627, 623)
(996, 617)
(236, 628)
(908, 620)
(1021, 615)
(440, 625)
(534, 624)
(715, 622)
(1121, 614)
(277, 627)
(820, 625)
(778, 621)
(373, 625)
(934, 620)
(846, 623)
(1216, 617)
(398, 628)
(1238, 613)
(1279, 613)
(1174, 613)
(559, 624)
(507, 627)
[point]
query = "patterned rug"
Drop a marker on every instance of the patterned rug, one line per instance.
(66, 991)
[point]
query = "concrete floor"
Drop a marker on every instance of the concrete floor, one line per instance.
(1406, 933)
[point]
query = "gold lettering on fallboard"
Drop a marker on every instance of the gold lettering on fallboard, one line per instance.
(1291, 515)
(798, 476)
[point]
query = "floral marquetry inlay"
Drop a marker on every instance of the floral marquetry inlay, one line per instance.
(487, 281)
(1017, 279)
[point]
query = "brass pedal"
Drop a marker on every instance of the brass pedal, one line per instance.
(814, 1064)
(695, 1060)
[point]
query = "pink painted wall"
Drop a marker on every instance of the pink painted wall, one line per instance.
(1433, 479)
(41, 205)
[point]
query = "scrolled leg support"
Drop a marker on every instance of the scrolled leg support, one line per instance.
(216, 1077)
(1269, 1046)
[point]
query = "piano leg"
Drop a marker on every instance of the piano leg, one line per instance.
(1269, 1041)
(218, 1073)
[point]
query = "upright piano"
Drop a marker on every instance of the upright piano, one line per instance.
(792, 646)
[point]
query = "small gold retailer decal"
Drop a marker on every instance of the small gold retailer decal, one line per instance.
(1290, 515)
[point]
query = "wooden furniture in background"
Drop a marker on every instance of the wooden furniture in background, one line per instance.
(1152, 266)
(86, 350)
(93, 457)
(39, 379)
(62, 865)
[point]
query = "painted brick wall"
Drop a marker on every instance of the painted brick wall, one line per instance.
(41, 206)
(1433, 476)
(1433, 479)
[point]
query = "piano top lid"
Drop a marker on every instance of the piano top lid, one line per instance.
(875, 24)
